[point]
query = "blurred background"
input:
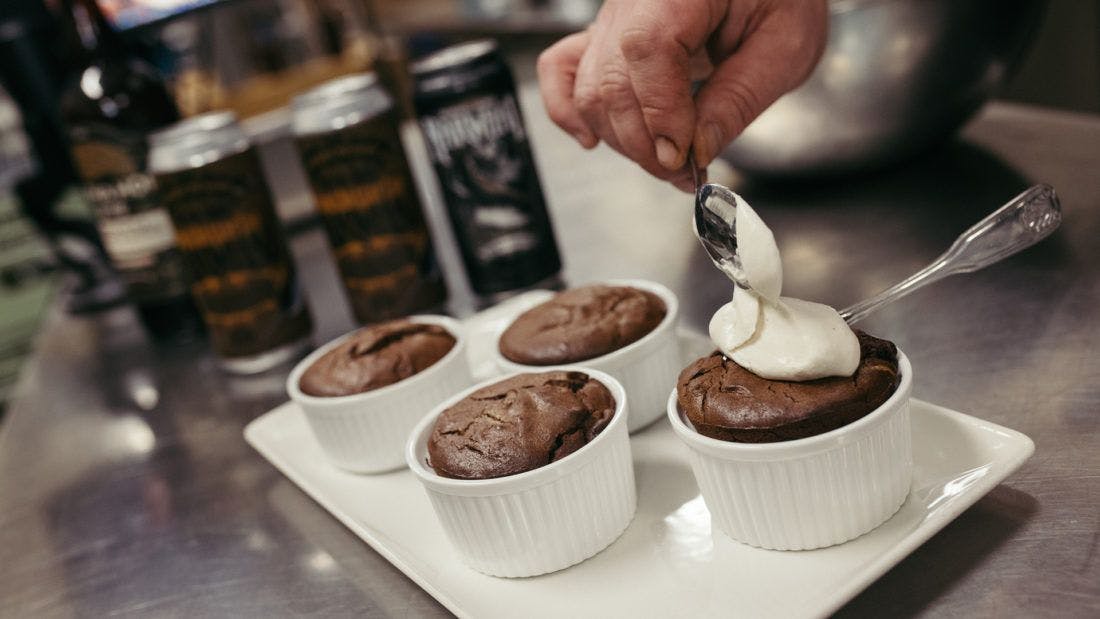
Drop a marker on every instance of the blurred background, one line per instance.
(253, 56)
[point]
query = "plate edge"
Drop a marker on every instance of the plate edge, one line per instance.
(860, 580)
(876, 569)
(251, 437)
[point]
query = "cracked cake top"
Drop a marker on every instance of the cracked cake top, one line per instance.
(725, 401)
(581, 323)
(376, 356)
(519, 424)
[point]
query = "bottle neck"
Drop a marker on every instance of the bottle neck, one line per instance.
(93, 33)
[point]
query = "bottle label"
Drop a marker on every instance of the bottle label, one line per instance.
(136, 230)
(487, 173)
(364, 192)
(133, 239)
(242, 274)
(479, 123)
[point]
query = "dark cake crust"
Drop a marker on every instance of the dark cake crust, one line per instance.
(725, 401)
(582, 323)
(376, 356)
(519, 424)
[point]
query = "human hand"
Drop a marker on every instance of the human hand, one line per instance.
(627, 79)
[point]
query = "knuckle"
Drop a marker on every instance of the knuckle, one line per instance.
(639, 42)
(586, 97)
(613, 86)
(658, 110)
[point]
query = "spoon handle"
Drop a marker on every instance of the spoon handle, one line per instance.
(1023, 221)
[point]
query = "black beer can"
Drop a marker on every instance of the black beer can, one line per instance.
(241, 271)
(347, 135)
(465, 99)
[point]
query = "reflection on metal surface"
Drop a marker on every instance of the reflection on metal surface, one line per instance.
(90, 83)
(133, 434)
(143, 391)
(258, 540)
(270, 384)
(321, 561)
(359, 573)
(896, 77)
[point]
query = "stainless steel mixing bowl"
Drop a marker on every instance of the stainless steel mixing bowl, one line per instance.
(896, 77)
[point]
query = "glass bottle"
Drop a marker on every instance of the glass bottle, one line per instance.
(111, 103)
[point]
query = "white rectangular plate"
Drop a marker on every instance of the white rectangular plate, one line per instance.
(669, 562)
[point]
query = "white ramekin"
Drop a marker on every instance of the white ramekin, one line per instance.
(366, 432)
(542, 520)
(811, 492)
(645, 367)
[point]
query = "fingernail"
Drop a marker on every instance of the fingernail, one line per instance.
(586, 140)
(667, 153)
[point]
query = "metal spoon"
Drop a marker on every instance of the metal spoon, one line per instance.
(1020, 223)
(714, 226)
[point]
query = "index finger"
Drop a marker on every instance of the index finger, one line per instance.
(557, 72)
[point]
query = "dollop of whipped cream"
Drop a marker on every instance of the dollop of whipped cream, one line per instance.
(776, 337)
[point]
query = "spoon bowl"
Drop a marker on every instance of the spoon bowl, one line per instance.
(714, 224)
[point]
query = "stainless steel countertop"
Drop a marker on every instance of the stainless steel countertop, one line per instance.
(126, 487)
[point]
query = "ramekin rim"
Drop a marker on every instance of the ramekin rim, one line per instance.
(797, 447)
(293, 389)
(672, 311)
(533, 478)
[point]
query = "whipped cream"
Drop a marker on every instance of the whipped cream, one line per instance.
(776, 337)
